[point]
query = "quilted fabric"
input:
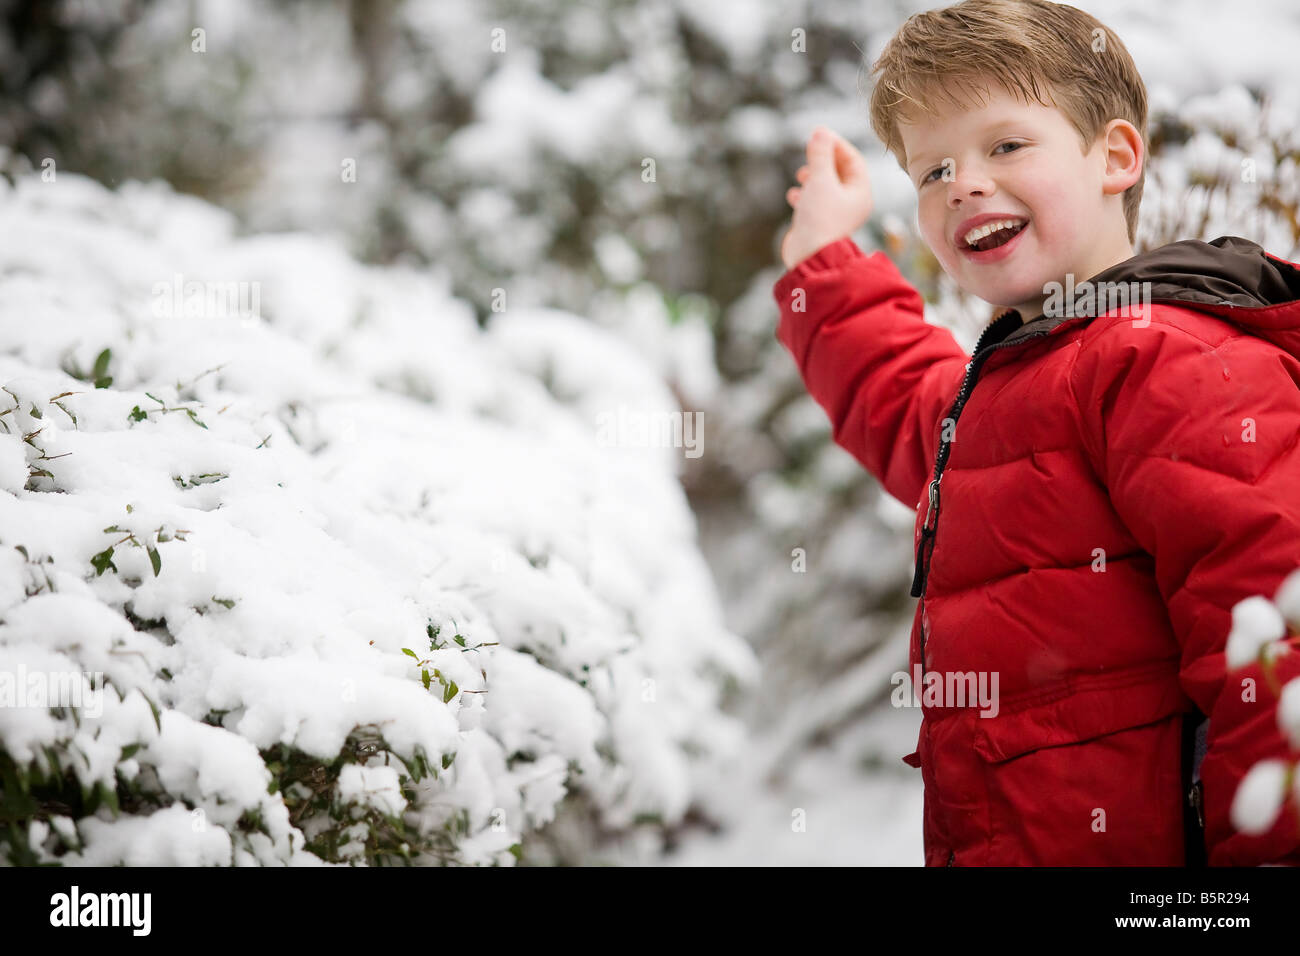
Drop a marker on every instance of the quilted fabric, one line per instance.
(1112, 487)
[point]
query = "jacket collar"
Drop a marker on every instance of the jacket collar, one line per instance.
(1229, 277)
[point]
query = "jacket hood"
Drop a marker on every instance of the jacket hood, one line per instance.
(1229, 277)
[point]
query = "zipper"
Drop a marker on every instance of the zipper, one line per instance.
(931, 523)
(982, 352)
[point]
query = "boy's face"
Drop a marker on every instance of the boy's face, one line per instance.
(1018, 161)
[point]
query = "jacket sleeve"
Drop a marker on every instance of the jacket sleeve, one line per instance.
(884, 376)
(1197, 446)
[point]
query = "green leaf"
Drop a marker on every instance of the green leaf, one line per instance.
(154, 558)
(103, 561)
(450, 692)
(224, 602)
(136, 415)
(153, 708)
(56, 768)
(104, 382)
(101, 364)
(65, 411)
(424, 676)
(411, 653)
(459, 640)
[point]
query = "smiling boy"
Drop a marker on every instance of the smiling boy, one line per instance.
(1096, 488)
(1035, 174)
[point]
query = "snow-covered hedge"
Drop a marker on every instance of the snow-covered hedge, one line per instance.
(299, 564)
(1261, 628)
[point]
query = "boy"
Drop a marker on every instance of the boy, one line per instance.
(1098, 485)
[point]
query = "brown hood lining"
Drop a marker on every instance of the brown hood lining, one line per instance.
(1229, 270)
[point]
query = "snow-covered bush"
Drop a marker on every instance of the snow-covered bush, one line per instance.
(1260, 631)
(300, 564)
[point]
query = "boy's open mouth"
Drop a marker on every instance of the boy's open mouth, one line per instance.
(994, 241)
(998, 237)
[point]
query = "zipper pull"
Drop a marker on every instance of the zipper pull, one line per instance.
(934, 504)
(927, 531)
(1194, 798)
(916, 576)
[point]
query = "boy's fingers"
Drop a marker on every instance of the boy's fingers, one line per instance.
(820, 155)
(846, 147)
(802, 174)
(848, 161)
(829, 151)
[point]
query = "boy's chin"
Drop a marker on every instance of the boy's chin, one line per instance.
(1024, 304)
(1018, 289)
(1026, 311)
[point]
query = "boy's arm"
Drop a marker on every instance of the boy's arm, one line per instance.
(884, 375)
(1198, 449)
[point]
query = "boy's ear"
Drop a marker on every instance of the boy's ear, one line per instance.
(1124, 154)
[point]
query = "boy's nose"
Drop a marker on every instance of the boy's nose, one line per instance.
(967, 186)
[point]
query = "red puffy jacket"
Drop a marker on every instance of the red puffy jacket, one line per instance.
(1093, 496)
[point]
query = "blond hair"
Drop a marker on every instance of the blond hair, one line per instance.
(1031, 48)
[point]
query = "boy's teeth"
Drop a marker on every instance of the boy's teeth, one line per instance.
(979, 232)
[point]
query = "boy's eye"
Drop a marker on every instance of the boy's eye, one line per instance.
(939, 169)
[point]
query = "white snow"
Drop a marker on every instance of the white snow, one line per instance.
(369, 464)
(1256, 622)
(378, 787)
(1259, 798)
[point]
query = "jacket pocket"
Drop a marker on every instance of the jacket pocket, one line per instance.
(1079, 709)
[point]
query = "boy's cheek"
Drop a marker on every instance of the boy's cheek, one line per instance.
(934, 238)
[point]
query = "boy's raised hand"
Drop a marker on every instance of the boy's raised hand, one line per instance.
(835, 198)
